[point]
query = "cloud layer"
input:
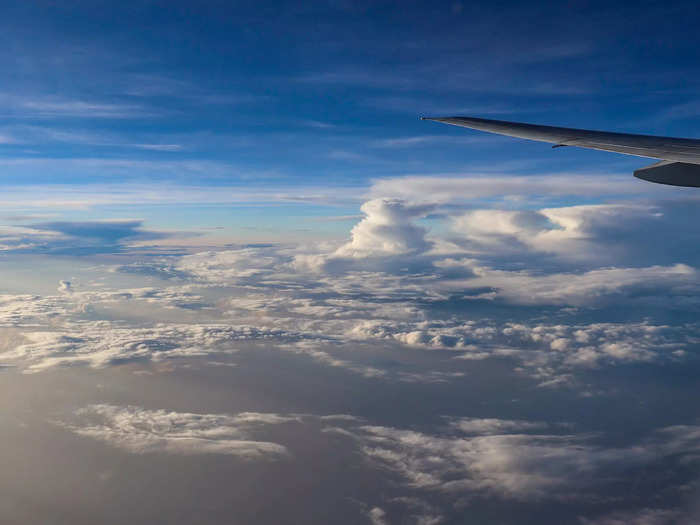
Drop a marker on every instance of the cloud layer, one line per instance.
(394, 283)
(460, 461)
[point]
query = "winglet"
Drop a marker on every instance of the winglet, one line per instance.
(671, 173)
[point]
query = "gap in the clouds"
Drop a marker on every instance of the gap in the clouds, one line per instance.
(42, 274)
(37, 274)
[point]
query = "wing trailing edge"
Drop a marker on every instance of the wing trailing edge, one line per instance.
(671, 173)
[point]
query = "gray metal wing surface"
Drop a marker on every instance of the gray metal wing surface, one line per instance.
(680, 157)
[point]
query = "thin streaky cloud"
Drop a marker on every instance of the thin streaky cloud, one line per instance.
(418, 140)
(50, 107)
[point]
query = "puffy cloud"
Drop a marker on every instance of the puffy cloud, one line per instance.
(140, 431)
(580, 234)
(550, 353)
(396, 315)
(576, 255)
(24, 310)
(655, 284)
(388, 229)
(231, 266)
(327, 311)
(519, 464)
(377, 516)
(163, 269)
(32, 310)
(100, 343)
(502, 228)
(620, 234)
(560, 345)
(169, 297)
(391, 283)
(324, 317)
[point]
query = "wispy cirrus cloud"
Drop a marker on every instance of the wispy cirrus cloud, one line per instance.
(51, 107)
(41, 136)
(427, 140)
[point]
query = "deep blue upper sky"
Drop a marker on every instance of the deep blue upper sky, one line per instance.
(283, 97)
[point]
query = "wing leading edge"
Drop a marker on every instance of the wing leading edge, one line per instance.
(680, 158)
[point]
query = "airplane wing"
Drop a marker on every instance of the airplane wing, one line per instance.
(680, 158)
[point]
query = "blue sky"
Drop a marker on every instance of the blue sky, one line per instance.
(287, 103)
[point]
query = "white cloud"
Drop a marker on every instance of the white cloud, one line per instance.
(100, 343)
(31, 310)
(327, 309)
(324, 317)
(390, 283)
(377, 516)
(388, 229)
(168, 297)
(227, 267)
(518, 466)
(53, 107)
(24, 310)
(562, 346)
(471, 457)
(600, 286)
(522, 465)
(140, 431)
(603, 234)
(486, 426)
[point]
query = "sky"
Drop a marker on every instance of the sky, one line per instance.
(242, 282)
